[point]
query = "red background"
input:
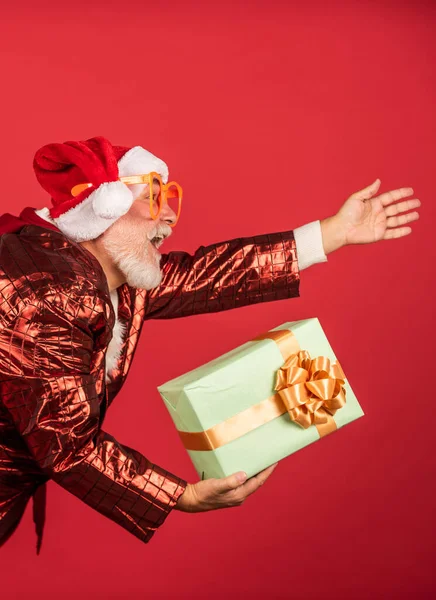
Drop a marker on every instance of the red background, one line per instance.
(270, 114)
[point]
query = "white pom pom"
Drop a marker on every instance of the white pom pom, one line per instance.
(111, 200)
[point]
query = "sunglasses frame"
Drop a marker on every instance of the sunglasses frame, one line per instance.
(148, 179)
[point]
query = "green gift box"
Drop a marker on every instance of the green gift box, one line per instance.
(230, 416)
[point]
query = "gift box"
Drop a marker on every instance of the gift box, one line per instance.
(262, 401)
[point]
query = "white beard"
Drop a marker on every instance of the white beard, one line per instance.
(137, 272)
(139, 264)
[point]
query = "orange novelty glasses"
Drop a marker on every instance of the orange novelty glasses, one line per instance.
(168, 193)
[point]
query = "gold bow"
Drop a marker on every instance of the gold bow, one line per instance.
(312, 390)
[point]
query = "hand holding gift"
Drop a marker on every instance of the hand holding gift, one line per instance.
(224, 492)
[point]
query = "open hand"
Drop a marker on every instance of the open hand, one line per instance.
(366, 218)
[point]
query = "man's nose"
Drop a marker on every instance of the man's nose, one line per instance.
(167, 214)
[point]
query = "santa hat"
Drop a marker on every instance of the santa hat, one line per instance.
(59, 167)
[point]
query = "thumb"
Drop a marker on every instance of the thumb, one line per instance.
(226, 484)
(368, 192)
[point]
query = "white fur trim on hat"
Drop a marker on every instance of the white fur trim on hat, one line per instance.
(96, 213)
(138, 161)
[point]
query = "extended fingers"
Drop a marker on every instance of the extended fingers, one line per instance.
(396, 233)
(395, 209)
(398, 219)
(394, 218)
(402, 219)
(392, 196)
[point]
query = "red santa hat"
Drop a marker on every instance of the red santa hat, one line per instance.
(59, 167)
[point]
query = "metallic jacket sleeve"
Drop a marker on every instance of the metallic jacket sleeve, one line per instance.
(226, 275)
(53, 391)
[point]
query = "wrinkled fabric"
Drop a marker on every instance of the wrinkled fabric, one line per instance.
(56, 321)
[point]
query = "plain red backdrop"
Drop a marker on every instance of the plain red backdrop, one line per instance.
(270, 114)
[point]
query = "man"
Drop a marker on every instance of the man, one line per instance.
(78, 281)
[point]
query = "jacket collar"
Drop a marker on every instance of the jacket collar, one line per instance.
(10, 223)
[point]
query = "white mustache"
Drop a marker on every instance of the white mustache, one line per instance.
(160, 230)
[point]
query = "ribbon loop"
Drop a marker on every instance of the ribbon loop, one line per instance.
(311, 390)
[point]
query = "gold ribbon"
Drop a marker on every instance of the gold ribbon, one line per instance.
(310, 390)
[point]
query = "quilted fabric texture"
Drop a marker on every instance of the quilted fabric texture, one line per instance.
(56, 321)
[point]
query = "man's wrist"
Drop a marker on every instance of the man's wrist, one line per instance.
(184, 502)
(333, 236)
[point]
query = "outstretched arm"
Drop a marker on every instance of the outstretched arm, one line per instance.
(267, 267)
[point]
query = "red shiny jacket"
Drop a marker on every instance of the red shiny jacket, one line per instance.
(56, 322)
